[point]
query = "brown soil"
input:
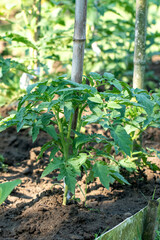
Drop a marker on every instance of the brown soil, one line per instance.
(34, 209)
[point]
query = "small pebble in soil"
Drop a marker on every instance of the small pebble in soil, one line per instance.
(26, 207)
(127, 214)
(158, 180)
(27, 170)
(93, 204)
(75, 237)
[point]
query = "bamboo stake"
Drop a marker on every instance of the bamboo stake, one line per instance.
(77, 61)
(37, 11)
(140, 41)
(79, 40)
(38, 19)
(78, 46)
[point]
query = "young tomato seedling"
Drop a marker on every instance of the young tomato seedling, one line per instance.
(52, 105)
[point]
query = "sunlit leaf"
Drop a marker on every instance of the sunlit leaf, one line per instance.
(102, 171)
(122, 139)
(18, 38)
(6, 188)
(55, 164)
(51, 131)
(97, 99)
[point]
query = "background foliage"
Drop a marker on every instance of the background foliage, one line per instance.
(109, 45)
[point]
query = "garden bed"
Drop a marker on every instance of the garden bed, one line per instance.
(34, 209)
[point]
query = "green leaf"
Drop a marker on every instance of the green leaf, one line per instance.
(20, 125)
(42, 88)
(55, 164)
(45, 147)
(131, 128)
(46, 118)
(117, 84)
(97, 111)
(52, 103)
(108, 76)
(43, 106)
(147, 104)
(102, 171)
(51, 131)
(53, 152)
(71, 89)
(35, 132)
(0, 192)
(69, 174)
(8, 64)
(30, 87)
(95, 75)
(78, 161)
(122, 139)
(81, 139)
(18, 38)
(91, 119)
(111, 79)
(69, 82)
(128, 164)
(6, 188)
(90, 177)
(116, 175)
(7, 122)
(115, 114)
(68, 110)
(97, 99)
(105, 124)
(113, 104)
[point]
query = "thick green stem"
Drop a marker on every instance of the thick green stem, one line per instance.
(78, 127)
(70, 127)
(65, 194)
(79, 121)
(64, 145)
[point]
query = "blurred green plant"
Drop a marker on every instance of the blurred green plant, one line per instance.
(10, 71)
(3, 166)
(110, 35)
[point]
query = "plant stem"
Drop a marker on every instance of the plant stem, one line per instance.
(79, 121)
(69, 127)
(65, 148)
(64, 145)
(85, 191)
(65, 194)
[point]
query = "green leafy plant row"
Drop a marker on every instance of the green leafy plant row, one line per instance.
(53, 106)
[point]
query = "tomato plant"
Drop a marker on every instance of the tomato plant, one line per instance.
(51, 106)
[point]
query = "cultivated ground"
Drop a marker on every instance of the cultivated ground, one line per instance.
(34, 209)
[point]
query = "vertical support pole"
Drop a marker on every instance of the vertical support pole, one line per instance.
(140, 42)
(77, 60)
(79, 40)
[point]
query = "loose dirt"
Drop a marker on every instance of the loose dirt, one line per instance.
(34, 209)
